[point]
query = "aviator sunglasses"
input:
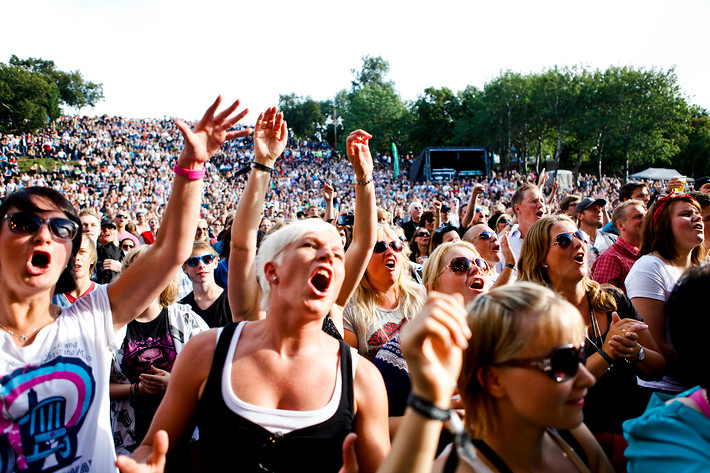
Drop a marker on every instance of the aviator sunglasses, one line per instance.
(462, 265)
(25, 223)
(564, 240)
(561, 364)
(193, 261)
(381, 246)
(484, 236)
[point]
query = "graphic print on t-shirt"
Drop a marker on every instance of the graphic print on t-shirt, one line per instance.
(383, 335)
(38, 427)
(140, 354)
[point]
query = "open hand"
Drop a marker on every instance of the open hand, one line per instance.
(210, 133)
(270, 137)
(358, 148)
(156, 462)
(155, 383)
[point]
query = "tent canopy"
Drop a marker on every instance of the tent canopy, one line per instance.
(657, 174)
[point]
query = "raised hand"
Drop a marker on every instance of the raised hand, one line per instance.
(328, 192)
(270, 137)
(154, 464)
(210, 133)
(432, 344)
(358, 148)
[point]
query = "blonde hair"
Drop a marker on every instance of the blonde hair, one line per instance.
(169, 296)
(505, 322)
(536, 245)
(366, 298)
(275, 242)
(433, 266)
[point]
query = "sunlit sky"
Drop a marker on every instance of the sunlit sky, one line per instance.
(172, 58)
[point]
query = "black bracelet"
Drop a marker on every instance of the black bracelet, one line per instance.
(606, 357)
(427, 409)
(510, 265)
(262, 167)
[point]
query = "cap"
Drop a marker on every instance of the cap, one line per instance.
(701, 182)
(445, 208)
(588, 202)
(107, 222)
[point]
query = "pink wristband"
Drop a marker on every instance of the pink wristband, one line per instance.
(189, 173)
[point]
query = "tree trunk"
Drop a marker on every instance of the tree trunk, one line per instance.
(558, 151)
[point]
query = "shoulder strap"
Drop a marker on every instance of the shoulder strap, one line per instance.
(346, 375)
(568, 451)
(492, 456)
(698, 397)
(220, 352)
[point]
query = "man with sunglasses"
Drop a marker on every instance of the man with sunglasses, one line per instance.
(108, 265)
(496, 253)
(207, 299)
(589, 214)
(121, 220)
(415, 213)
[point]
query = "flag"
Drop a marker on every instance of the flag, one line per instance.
(395, 155)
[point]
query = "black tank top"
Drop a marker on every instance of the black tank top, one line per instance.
(229, 442)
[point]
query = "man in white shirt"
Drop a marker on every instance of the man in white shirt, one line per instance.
(589, 214)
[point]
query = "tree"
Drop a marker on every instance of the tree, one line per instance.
(434, 116)
(74, 91)
(694, 158)
(27, 100)
(304, 116)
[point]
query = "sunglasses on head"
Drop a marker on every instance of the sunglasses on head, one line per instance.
(564, 240)
(381, 246)
(193, 261)
(485, 235)
(462, 265)
(26, 223)
(561, 364)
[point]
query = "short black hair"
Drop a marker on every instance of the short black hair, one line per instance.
(628, 189)
(688, 323)
(22, 200)
(702, 198)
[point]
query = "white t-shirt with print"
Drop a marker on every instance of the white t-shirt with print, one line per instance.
(54, 393)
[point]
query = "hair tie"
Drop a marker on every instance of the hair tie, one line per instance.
(663, 202)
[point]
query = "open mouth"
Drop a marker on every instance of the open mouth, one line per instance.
(579, 257)
(539, 214)
(698, 226)
(477, 284)
(40, 259)
(321, 281)
(495, 248)
(390, 264)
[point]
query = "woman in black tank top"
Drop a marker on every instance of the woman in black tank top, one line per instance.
(522, 382)
(278, 393)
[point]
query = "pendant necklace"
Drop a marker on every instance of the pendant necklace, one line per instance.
(20, 336)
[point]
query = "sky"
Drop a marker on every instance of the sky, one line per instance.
(173, 58)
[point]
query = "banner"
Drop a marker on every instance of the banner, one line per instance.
(395, 155)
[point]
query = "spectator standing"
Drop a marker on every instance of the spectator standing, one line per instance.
(109, 253)
(415, 214)
(207, 299)
(589, 215)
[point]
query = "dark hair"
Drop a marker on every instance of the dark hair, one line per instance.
(439, 233)
(702, 198)
(688, 322)
(567, 201)
(628, 189)
(656, 233)
(22, 200)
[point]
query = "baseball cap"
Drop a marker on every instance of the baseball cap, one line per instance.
(107, 222)
(701, 182)
(588, 202)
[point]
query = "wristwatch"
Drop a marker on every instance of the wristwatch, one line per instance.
(641, 355)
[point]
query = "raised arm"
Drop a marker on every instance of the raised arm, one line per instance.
(145, 279)
(472, 204)
(365, 224)
(328, 194)
(270, 137)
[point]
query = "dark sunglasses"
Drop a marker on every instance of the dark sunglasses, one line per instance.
(121, 216)
(462, 265)
(204, 229)
(26, 223)
(421, 234)
(381, 246)
(564, 240)
(561, 364)
(485, 236)
(127, 247)
(195, 260)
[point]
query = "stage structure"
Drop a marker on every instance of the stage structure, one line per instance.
(447, 163)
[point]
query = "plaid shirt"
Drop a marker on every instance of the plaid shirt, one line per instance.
(614, 264)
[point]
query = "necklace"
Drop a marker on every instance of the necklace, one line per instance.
(595, 323)
(20, 336)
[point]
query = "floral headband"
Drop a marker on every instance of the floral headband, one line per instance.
(663, 202)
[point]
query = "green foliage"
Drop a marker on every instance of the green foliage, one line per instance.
(303, 115)
(27, 100)
(694, 158)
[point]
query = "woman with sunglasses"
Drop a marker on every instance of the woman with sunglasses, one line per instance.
(385, 298)
(207, 299)
(278, 393)
(619, 346)
(672, 236)
(56, 360)
(419, 246)
(519, 362)
(140, 371)
(453, 268)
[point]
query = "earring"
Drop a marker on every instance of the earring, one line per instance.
(275, 279)
(545, 266)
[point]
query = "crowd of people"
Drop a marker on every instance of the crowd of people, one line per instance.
(211, 297)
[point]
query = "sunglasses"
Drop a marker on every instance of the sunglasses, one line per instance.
(25, 223)
(462, 265)
(193, 261)
(127, 247)
(421, 234)
(484, 236)
(204, 229)
(561, 364)
(381, 246)
(564, 240)
(121, 216)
